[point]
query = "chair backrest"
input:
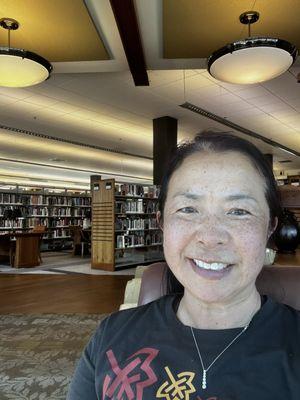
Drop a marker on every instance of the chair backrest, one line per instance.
(280, 283)
(75, 232)
(85, 235)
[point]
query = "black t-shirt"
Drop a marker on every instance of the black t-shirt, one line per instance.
(147, 353)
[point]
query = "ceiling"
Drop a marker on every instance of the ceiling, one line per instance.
(57, 30)
(217, 23)
(90, 118)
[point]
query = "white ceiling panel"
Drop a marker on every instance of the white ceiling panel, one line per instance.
(44, 101)
(273, 106)
(159, 78)
(64, 107)
(262, 100)
(250, 93)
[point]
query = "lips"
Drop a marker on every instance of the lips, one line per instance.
(214, 270)
(214, 265)
(211, 265)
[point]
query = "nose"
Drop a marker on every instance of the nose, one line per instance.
(211, 232)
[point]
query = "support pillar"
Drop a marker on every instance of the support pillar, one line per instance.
(269, 157)
(164, 141)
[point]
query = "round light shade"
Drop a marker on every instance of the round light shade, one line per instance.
(252, 60)
(20, 68)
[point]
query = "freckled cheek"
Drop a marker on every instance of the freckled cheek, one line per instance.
(176, 235)
(251, 243)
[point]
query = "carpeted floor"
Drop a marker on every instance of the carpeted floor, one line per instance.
(38, 353)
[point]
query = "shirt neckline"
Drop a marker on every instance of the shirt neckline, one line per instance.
(260, 317)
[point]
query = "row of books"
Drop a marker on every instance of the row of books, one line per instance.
(57, 233)
(29, 223)
(8, 198)
(65, 222)
(15, 230)
(129, 206)
(5, 223)
(138, 239)
(50, 212)
(135, 190)
(56, 200)
(80, 212)
(12, 213)
(24, 199)
(122, 224)
(68, 201)
(82, 201)
(5, 208)
(135, 206)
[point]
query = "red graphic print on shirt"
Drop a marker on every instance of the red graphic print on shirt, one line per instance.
(129, 382)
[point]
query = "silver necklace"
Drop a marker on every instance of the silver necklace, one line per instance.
(205, 370)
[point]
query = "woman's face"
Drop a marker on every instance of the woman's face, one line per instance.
(215, 225)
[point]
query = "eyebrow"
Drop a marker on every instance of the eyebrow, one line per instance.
(240, 197)
(231, 197)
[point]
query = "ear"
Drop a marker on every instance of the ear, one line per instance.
(273, 228)
(159, 220)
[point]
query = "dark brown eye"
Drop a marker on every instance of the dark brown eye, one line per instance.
(187, 210)
(238, 212)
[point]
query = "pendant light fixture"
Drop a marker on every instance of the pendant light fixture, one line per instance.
(251, 60)
(19, 67)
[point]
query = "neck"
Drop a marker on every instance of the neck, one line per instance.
(234, 313)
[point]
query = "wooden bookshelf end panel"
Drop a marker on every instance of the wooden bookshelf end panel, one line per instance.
(103, 225)
(103, 256)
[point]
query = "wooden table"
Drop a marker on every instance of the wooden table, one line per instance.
(22, 249)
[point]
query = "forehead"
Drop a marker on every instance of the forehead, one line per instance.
(217, 170)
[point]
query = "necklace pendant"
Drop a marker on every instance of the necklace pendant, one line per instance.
(204, 379)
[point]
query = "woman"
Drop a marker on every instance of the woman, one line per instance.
(219, 339)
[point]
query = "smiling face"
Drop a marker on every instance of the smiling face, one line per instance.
(215, 225)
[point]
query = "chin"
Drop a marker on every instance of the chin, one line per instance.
(209, 296)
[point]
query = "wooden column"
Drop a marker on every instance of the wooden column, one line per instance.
(94, 179)
(164, 141)
(103, 228)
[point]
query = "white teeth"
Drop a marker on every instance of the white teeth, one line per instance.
(212, 266)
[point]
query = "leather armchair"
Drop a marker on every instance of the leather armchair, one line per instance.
(280, 283)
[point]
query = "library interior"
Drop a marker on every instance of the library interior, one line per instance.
(94, 97)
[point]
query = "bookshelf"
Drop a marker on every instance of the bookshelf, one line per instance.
(124, 228)
(23, 207)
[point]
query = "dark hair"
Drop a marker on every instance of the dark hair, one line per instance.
(220, 142)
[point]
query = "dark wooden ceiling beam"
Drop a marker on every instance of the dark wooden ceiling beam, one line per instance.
(126, 19)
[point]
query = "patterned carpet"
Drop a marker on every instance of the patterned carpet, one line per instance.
(38, 353)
